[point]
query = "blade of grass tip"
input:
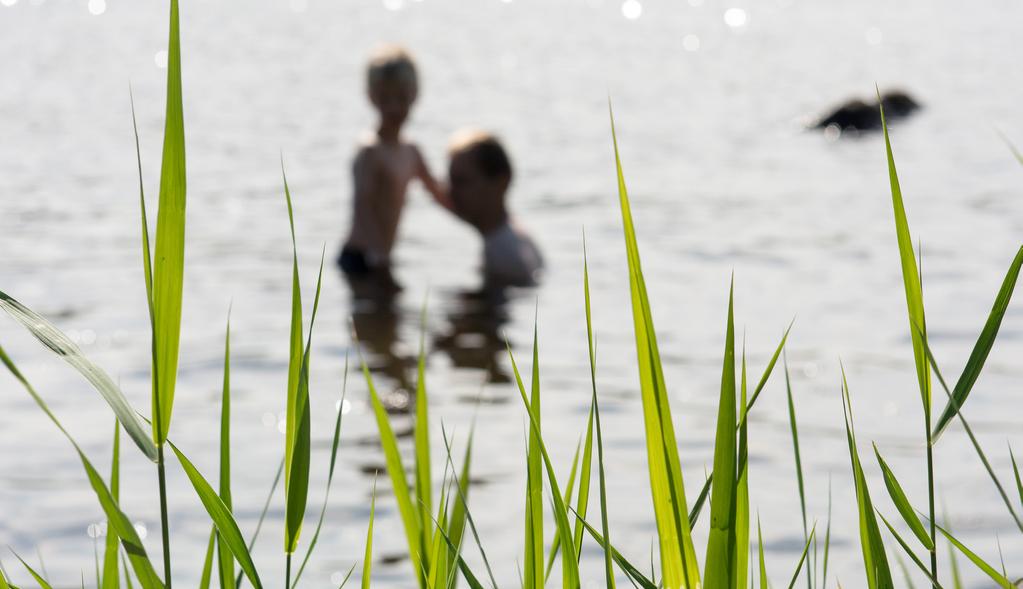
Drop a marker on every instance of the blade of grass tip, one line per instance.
(721, 538)
(973, 439)
(468, 513)
(335, 442)
(396, 471)
(294, 409)
(802, 558)
(763, 565)
(111, 578)
(456, 525)
(147, 259)
(224, 558)
(902, 503)
(678, 556)
(348, 575)
(740, 554)
(795, 446)
(908, 550)
(38, 578)
(65, 348)
(207, 564)
(595, 410)
(42, 565)
(262, 517)
(533, 527)
(227, 529)
(875, 561)
(122, 525)
(1016, 153)
(4, 583)
(583, 498)
(985, 341)
(1015, 472)
(827, 541)
(467, 573)
(569, 566)
(977, 561)
(367, 561)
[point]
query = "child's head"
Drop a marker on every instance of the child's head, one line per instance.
(480, 173)
(392, 83)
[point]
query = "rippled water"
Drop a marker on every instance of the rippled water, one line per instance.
(709, 97)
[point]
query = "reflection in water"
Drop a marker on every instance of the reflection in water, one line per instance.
(472, 337)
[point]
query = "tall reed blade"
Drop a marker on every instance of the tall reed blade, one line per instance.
(678, 556)
(533, 561)
(980, 563)
(367, 560)
(111, 577)
(224, 559)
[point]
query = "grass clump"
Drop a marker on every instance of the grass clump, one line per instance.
(435, 521)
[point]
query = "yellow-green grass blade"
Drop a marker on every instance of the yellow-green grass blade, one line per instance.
(609, 578)
(740, 556)
(207, 564)
(957, 580)
(111, 576)
(795, 446)
(423, 487)
(169, 262)
(977, 560)
(763, 565)
(875, 561)
(455, 527)
(295, 343)
(973, 438)
(1016, 153)
(396, 471)
(567, 497)
(909, 551)
(902, 502)
(626, 567)
(678, 556)
(1015, 472)
(262, 517)
(569, 565)
(348, 575)
(533, 556)
(4, 583)
(802, 558)
(38, 578)
(985, 341)
(583, 498)
(334, 444)
(367, 559)
(910, 276)
(65, 348)
(827, 541)
(717, 568)
(467, 573)
(227, 529)
(122, 525)
(224, 558)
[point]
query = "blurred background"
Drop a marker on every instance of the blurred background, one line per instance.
(711, 100)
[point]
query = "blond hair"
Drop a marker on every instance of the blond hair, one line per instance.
(392, 63)
(489, 153)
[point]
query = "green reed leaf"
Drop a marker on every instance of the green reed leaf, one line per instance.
(38, 578)
(111, 578)
(902, 502)
(367, 560)
(977, 561)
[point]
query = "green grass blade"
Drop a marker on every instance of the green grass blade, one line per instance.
(583, 498)
(721, 538)
(533, 528)
(569, 566)
(61, 344)
(367, 560)
(875, 561)
(111, 577)
(627, 567)
(905, 572)
(985, 341)
(902, 503)
(795, 447)
(38, 578)
(227, 529)
(224, 558)
(609, 579)
(1016, 153)
(468, 514)
(763, 565)
(910, 276)
(740, 555)
(423, 487)
(827, 541)
(467, 573)
(122, 525)
(169, 262)
(678, 556)
(567, 498)
(207, 564)
(455, 528)
(396, 471)
(262, 517)
(335, 442)
(977, 561)
(909, 552)
(802, 558)
(1015, 472)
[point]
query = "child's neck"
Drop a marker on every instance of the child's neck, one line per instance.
(388, 133)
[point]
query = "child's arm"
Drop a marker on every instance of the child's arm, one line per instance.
(436, 189)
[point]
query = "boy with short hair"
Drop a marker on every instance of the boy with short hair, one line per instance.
(480, 174)
(384, 166)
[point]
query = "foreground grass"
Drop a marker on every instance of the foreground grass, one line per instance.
(438, 523)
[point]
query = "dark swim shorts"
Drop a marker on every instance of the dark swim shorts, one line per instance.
(353, 262)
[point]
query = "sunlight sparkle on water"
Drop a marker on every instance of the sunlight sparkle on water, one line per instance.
(691, 43)
(394, 4)
(97, 7)
(735, 17)
(8, 2)
(298, 6)
(345, 407)
(632, 9)
(160, 59)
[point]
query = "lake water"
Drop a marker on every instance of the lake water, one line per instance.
(709, 98)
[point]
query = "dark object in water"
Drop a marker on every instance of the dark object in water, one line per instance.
(857, 115)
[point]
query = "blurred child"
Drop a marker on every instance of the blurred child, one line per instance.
(383, 168)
